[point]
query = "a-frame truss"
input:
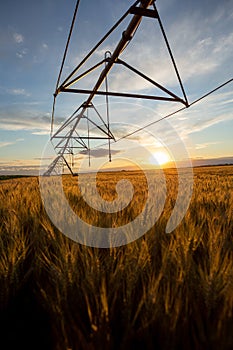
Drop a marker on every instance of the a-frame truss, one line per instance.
(67, 139)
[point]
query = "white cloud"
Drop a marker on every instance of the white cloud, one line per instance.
(13, 118)
(41, 132)
(19, 140)
(198, 51)
(206, 144)
(18, 92)
(4, 144)
(9, 143)
(19, 54)
(18, 38)
(211, 111)
(22, 53)
(208, 122)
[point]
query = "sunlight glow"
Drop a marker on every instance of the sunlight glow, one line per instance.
(159, 158)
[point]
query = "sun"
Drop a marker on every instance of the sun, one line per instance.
(159, 158)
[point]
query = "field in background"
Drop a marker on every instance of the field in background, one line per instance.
(164, 291)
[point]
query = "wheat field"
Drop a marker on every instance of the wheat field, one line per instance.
(163, 291)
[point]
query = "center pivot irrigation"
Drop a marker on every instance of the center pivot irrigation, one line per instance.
(67, 140)
(71, 138)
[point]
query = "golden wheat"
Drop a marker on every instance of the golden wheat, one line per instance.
(174, 290)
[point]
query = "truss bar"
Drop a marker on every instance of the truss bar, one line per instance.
(121, 94)
(96, 46)
(143, 12)
(67, 43)
(106, 125)
(74, 147)
(83, 145)
(99, 115)
(91, 121)
(83, 74)
(68, 121)
(126, 36)
(88, 142)
(150, 80)
(70, 135)
(59, 145)
(79, 139)
(52, 166)
(61, 140)
(90, 137)
(172, 58)
(107, 109)
(67, 165)
(52, 120)
(81, 142)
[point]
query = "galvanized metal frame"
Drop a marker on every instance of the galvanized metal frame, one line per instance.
(140, 9)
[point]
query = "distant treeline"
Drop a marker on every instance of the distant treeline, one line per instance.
(7, 177)
(211, 165)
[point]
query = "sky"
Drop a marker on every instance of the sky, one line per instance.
(32, 41)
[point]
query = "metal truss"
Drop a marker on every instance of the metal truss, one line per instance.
(68, 138)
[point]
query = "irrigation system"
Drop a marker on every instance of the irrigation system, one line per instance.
(70, 139)
(67, 139)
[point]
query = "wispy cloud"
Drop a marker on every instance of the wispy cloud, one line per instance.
(100, 152)
(206, 144)
(45, 46)
(18, 92)
(14, 118)
(198, 52)
(42, 132)
(9, 143)
(18, 38)
(4, 144)
(20, 54)
(19, 140)
(211, 111)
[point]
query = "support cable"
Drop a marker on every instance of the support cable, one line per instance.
(67, 43)
(173, 113)
(88, 140)
(52, 120)
(171, 55)
(98, 44)
(211, 92)
(63, 62)
(107, 108)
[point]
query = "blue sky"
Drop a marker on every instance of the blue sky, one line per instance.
(32, 41)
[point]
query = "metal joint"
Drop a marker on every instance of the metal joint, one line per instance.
(144, 12)
(87, 105)
(126, 36)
